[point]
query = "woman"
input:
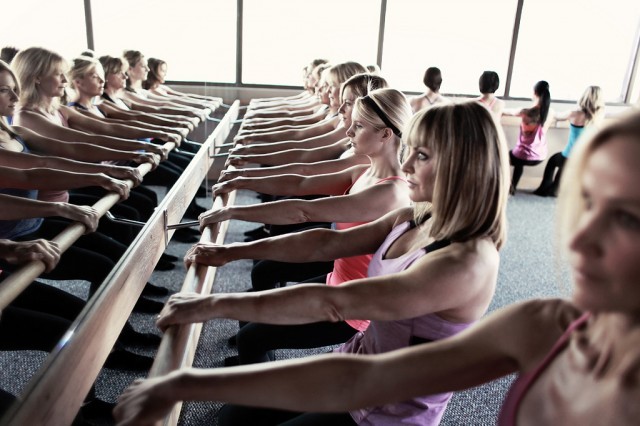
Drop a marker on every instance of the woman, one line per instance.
(315, 160)
(438, 277)
(323, 132)
(137, 73)
(155, 83)
(589, 111)
(531, 148)
(433, 80)
(370, 191)
(589, 365)
(114, 86)
(360, 193)
(488, 84)
(87, 81)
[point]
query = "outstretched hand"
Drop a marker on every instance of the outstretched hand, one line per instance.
(206, 254)
(18, 253)
(185, 308)
(144, 402)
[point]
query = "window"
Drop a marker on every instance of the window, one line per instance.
(282, 36)
(573, 44)
(448, 35)
(58, 26)
(198, 41)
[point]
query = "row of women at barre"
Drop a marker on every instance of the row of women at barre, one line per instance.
(407, 268)
(58, 158)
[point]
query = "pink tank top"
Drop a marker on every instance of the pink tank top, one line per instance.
(520, 387)
(354, 267)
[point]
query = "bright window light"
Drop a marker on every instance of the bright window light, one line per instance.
(282, 36)
(573, 44)
(461, 37)
(197, 38)
(56, 25)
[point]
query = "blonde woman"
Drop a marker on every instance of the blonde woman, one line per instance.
(433, 275)
(589, 111)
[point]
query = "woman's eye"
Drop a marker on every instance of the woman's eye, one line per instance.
(422, 156)
(627, 220)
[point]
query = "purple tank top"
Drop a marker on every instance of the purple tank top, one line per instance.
(385, 336)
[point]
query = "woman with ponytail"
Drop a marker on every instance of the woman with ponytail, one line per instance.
(531, 148)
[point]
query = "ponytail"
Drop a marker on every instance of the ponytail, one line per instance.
(541, 89)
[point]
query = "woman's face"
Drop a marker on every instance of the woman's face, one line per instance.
(139, 71)
(92, 83)
(8, 96)
(323, 93)
(117, 81)
(334, 95)
(54, 84)
(162, 73)
(419, 167)
(364, 137)
(348, 98)
(605, 246)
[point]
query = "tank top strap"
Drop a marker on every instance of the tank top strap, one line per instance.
(77, 105)
(391, 178)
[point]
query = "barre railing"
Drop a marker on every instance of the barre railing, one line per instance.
(18, 281)
(55, 394)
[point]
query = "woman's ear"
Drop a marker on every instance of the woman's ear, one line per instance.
(387, 133)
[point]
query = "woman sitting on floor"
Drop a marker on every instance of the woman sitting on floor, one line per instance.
(433, 275)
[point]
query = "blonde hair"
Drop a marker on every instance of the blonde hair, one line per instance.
(361, 84)
(571, 204)
(338, 74)
(80, 67)
(30, 65)
(392, 104)
(592, 103)
(4, 67)
(471, 172)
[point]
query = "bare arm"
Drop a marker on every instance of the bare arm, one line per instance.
(327, 184)
(305, 169)
(294, 156)
(59, 180)
(330, 138)
(15, 208)
(307, 246)
(43, 126)
(363, 206)
(336, 383)
(309, 132)
(110, 127)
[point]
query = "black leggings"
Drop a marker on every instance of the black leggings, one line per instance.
(270, 274)
(237, 415)
(90, 258)
(256, 342)
(518, 167)
(549, 185)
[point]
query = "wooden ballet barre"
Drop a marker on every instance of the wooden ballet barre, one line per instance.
(79, 356)
(178, 346)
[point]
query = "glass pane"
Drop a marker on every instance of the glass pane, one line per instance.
(59, 26)
(197, 38)
(573, 44)
(461, 37)
(282, 36)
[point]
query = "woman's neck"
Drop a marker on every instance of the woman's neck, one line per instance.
(488, 97)
(135, 84)
(84, 100)
(113, 93)
(47, 104)
(385, 164)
